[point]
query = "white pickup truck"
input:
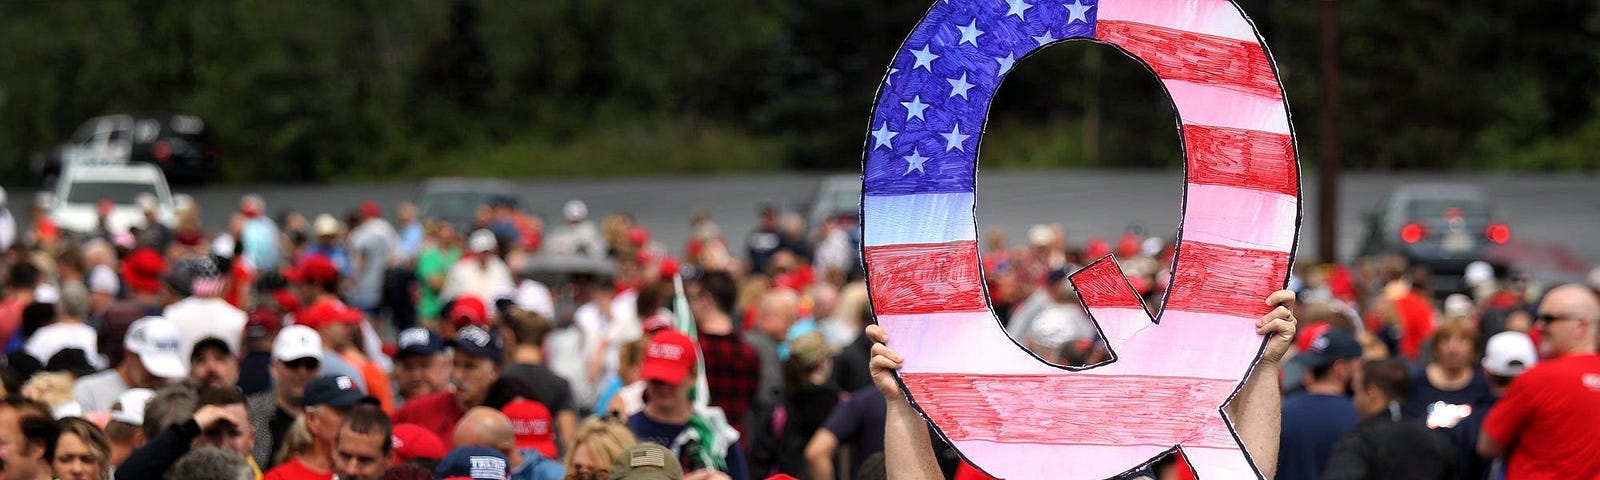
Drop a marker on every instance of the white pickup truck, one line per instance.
(74, 205)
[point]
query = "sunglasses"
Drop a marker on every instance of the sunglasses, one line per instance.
(1550, 317)
(302, 364)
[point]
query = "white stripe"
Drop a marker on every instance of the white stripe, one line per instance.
(1185, 344)
(1201, 104)
(1239, 217)
(920, 218)
(1013, 459)
(1211, 17)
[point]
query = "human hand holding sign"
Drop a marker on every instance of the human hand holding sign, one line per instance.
(1171, 376)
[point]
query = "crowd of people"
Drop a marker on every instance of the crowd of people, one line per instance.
(393, 346)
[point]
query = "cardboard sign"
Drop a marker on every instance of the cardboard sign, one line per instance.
(1008, 412)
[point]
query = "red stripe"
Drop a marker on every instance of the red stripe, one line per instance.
(1183, 55)
(1241, 158)
(925, 278)
(1073, 409)
(1102, 285)
(1223, 280)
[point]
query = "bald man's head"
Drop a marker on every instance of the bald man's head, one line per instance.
(778, 310)
(1567, 319)
(485, 427)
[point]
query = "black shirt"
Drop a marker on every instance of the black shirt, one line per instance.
(548, 388)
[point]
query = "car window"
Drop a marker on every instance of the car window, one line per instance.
(1436, 207)
(121, 193)
(452, 206)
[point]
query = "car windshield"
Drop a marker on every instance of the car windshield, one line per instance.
(453, 207)
(121, 193)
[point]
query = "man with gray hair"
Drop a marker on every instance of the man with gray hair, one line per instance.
(212, 463)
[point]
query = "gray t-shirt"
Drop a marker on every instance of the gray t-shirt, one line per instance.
(99, 391)
(771, 367)
(374, 242)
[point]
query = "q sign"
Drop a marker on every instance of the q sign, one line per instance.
(1009, 413)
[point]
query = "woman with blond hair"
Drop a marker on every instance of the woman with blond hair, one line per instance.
(597, 443)
(81, 451)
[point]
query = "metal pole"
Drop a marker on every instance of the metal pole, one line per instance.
(1328, 143)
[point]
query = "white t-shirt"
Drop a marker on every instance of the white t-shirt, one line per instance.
(53, 338)
(98, 392)
(199, 318)
(467, 277)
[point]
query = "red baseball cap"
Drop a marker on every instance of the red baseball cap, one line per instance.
(668, 357)
(327, 312)
(142, 269)
(530, 421)
(370, 209)
(469, 310)
(413, 441)
(315, 269)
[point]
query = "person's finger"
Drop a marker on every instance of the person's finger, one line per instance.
(1282, 328)
(879, 349)
(1276, 313)
(1282, 297)
(880, 362)
(877, 334)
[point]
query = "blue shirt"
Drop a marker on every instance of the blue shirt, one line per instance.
(259, 241)
(1312, 422)
(647, 430)
(536, 467)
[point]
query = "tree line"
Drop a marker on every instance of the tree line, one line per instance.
(357, 89)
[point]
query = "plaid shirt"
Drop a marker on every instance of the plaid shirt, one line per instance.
(734, 374)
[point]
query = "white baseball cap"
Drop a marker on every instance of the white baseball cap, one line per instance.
(130, 405)
(295, 342)
(575, 210)
(1508, 354)
(1478, 273)
(159, 345)
(481, 241)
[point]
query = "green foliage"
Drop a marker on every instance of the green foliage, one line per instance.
(368, 89)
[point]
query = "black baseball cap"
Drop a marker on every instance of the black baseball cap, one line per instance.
(1334, 344)
(419, 341)
(335, 391)
(481, 342)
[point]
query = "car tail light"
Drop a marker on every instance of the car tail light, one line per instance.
(1498, 233)
(162, 151)
(1412, 233)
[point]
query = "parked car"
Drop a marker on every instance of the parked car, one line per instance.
(456, 200)
(1441, 226)
(179, 144)
(82, 192)
(838, 197)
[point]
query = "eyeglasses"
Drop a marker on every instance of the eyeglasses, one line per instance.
(302, 364)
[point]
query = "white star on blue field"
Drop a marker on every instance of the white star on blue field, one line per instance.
(938, 89)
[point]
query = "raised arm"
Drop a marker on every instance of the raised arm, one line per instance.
(907, 450)
(1257, 412)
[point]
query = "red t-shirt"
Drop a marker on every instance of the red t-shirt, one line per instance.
(294, 470)
(1549, 419)
(436, 412)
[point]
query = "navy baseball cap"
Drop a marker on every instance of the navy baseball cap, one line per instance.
(335, 391)
(419, 341)
(481, 342)
(1334, 344)
(473, 462)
